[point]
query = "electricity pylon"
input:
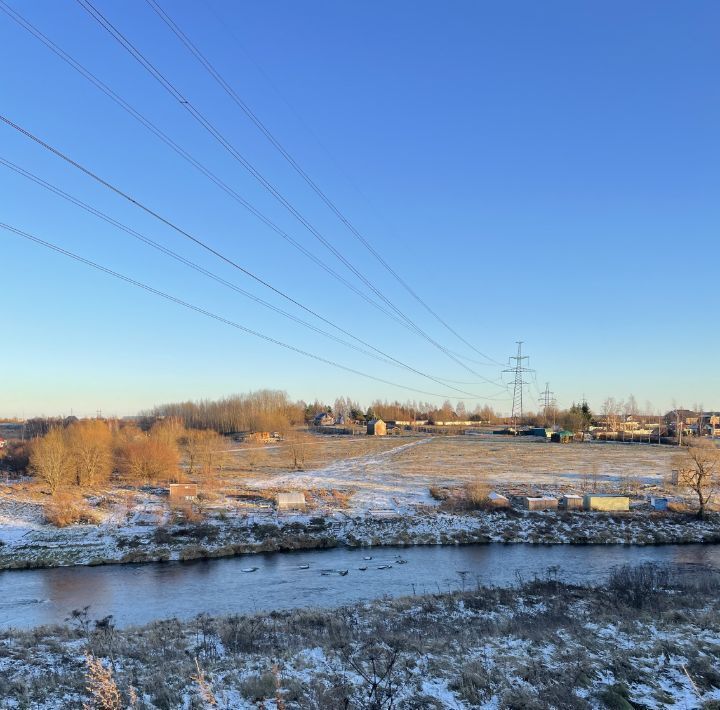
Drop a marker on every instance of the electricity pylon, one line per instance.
(547, 401)
(518, 369)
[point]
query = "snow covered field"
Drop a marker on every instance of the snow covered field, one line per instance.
(399, 478)
(366, 492)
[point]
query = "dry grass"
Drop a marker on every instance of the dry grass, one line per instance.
(66, 509)
(476, 494)
(331, 497)
(497, 461)
(252, 460)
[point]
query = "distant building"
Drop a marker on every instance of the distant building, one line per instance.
(182, 492)
(685, 416)
(291, 501)
(376, 427)
(323, 419)
(606, 502)
(562, 437)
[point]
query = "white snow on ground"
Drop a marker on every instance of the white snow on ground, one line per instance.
(377, 484)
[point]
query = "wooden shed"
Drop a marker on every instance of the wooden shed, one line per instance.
(571, 501)
(180, 492)
(562, 437)
(540, 503)
(376, 427)
(291, 501)
(606, 502)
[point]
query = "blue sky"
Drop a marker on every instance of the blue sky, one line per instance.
(537, 171)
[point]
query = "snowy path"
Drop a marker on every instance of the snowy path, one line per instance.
(377, 484)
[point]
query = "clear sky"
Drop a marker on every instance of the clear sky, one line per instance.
(538, 171)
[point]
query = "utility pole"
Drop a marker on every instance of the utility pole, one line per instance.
(518, 369)
(679, 426)
(547, 400)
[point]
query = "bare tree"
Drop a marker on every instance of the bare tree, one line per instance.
(700, 464)
(297, 448)
(90, 449)
(50, 460)
(148, 459)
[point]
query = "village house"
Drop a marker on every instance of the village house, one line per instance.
(323, 419)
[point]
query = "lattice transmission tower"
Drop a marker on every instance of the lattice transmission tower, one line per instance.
(518, 370)
(547, 402)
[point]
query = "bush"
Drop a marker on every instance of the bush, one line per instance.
(259, 687)
(16, 456)
(439, 493)
(66, 509)
(476, 494)
(638, 586)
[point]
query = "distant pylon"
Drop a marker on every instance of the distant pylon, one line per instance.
(547, 401)
(518, 384)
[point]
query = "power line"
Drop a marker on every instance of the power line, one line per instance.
(87, 74)
(203, 311)
(382, 356)
(210, 128)
(83, 71)
(547, 402)
(518, 383)
(230, 91)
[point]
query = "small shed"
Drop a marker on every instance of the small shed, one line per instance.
(571, 501)
(291, 501)
(606, 502)
(497, 500)
(562, 437)
(540, 503)
(376, 427)
(182, 491)
(658, 503)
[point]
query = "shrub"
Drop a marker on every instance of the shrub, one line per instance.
(259, 687)
(66, 509)
(637, 586)
(438, 493)
(476, 494)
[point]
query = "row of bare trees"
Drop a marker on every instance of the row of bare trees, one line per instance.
(87, 453)
(264, 410)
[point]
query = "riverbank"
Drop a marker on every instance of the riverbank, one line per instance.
(648, 638)
(45, 546)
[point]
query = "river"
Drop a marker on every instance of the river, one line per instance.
(137, 594)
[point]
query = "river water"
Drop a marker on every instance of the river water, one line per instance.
(136, 594)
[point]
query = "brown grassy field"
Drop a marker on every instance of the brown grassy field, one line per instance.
(398, 472)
